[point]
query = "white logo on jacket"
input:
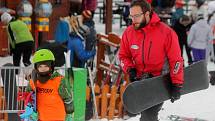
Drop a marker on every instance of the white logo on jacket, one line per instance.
(176, 68)
(135, 47)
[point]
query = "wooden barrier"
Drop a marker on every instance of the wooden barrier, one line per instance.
(3, 116)
(108, 90)
(109, 101)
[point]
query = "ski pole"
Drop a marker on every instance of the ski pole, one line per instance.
(92, 88)
(111, 66)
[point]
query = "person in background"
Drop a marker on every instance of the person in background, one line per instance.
(71, 31)
(54, 99)
(21, 40)
(126, 13)
(88, 10)
(211, 21)
(90, 39)
(160, 6)
(181, 28)
(179, 11)
(200, 35)
(150, 48)
(78, 54)
(58, 49)
(199, 7)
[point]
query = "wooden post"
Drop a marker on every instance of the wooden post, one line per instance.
(104, 101)
(100, 56)
(98, 98)
(108, 17)
(3, 116)
(112, 103)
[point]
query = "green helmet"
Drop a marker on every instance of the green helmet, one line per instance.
(43, 55)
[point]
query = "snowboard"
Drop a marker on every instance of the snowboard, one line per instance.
(141, 95)
(10, 90)
(182, 118)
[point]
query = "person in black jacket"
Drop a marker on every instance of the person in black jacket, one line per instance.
(58, 50)
(181, 28)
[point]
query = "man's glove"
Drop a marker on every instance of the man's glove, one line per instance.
(175, 92)
(212, 80)
(132, 74)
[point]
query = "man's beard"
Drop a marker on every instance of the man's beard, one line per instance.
(140, 25)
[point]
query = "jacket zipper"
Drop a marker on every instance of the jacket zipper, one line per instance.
(143, 47)
(149, 49)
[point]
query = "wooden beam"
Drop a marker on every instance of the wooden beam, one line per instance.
(109, 16)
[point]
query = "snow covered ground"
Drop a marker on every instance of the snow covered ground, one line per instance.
(200, 104)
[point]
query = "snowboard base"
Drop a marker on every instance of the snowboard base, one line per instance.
(143, 94)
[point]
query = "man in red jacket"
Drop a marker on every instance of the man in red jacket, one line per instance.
(150, 48)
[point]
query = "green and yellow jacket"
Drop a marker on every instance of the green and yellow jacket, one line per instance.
(18, 32)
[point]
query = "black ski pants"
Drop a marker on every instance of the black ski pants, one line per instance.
(183, 43)
(22, 50)
(151, 114)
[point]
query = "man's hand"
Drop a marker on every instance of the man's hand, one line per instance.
(132, 74)
(175, 92)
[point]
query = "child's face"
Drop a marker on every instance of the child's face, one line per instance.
(43, 68)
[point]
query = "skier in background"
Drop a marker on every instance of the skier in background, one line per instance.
(181, 28)
(52, 92)
(211, 21)
(200, 35)
(86, 8)
(150, 48)
(20, 38)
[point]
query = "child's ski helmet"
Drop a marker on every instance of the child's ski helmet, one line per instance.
(43, 55)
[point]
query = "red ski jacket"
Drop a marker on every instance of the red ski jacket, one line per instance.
(152, 49)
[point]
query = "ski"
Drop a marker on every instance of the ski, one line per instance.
(182, 118)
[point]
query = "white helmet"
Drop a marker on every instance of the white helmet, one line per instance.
(6, 17)
(211, 7)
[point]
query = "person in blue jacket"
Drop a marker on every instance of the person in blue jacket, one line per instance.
(75, 43)
(78, 55)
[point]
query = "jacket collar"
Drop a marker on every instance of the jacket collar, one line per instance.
(153, 21)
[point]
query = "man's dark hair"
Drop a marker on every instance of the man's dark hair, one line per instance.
(145, 6)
